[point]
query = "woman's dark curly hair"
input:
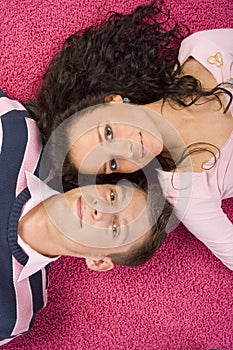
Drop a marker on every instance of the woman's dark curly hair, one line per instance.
(132, 55)
(135, 56)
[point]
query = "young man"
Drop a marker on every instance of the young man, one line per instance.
(104, 224)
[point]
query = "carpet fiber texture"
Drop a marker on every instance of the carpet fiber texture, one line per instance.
(182, 298)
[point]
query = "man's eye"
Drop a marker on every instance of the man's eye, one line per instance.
(114, 230)
(113, 165)
(112, 197)
(108, 133)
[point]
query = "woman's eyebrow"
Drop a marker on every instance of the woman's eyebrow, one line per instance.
(103, 169)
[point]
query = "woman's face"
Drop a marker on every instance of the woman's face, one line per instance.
(114, 138)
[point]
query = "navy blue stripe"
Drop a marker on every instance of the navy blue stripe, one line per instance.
(12, 153)
(2, 94)
(16, 114)
(37, 294)
(47, 275)
(16, 209)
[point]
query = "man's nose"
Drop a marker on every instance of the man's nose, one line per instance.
(100, 219)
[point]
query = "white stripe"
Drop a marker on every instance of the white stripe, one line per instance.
(45, 290)
(24, 303)
(1, 135)
(31, 155)
(7, 105)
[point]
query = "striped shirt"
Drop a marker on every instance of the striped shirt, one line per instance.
(24, 272)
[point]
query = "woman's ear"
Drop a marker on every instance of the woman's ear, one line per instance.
(102, 264)
(113, 98)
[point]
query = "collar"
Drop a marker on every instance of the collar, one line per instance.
(36, 261)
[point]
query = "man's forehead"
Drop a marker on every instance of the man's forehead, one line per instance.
(135, 229)
(130, 232)
(125, 197)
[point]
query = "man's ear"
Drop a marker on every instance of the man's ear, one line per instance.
(113, 98)
(102, 264)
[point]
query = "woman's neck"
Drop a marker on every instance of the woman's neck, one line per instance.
(203, 123)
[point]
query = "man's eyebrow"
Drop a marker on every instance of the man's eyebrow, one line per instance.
(123, 192)
(103, 169)
(124, 221)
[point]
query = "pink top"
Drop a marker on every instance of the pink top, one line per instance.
(198, 203)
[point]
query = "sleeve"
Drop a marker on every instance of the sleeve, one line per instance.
(204, 42)
(208, 223)
(20, 141)
(213, 49)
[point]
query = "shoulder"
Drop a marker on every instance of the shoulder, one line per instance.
(10, 106)
(20, 141)
(205, 43)
(217, 36)
(15, 122)
(212, 51)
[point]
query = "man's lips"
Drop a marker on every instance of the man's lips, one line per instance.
(80, 209)
(143, 145)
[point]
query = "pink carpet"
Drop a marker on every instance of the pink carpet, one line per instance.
(181, 299)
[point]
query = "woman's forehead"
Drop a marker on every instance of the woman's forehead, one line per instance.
(132, 115)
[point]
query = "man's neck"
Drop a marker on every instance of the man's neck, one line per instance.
(37, 231)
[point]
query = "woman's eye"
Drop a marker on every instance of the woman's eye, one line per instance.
(113, 165)
(114, 230)
(108, 133)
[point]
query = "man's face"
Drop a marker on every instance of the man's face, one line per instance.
(101, 217)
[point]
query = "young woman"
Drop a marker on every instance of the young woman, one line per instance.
(188, 87)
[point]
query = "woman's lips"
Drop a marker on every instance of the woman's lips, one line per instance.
(80, 209)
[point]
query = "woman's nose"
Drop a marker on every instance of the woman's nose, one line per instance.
(122, 148)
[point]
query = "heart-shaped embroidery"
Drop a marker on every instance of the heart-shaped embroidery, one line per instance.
(217, 59)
